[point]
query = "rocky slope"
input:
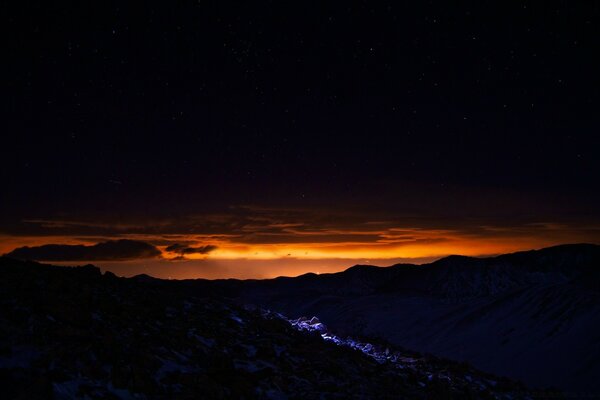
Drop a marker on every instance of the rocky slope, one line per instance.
(532, 316)
(76, 333)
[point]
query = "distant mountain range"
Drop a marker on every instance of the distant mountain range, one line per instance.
(532, 316)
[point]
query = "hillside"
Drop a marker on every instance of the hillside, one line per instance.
(532, 316)
(70, 333)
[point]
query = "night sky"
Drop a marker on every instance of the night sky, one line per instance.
(215, 139)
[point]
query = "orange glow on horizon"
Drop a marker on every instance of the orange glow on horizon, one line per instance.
(253, 241)
(392, 243)
(269, 245)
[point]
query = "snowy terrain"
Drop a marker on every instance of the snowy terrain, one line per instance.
(532, 316)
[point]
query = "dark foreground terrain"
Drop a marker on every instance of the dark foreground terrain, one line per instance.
(77, 333)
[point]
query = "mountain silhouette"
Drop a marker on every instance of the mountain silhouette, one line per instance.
(390, 332)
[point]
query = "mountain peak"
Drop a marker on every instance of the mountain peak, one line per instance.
(456, 258)
(360, 267)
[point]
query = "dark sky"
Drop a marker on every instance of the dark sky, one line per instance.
(446, 116)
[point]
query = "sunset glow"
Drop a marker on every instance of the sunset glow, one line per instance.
(276, 247)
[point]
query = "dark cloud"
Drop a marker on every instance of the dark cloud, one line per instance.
(176, 248)
(184, 249)
(112, 250)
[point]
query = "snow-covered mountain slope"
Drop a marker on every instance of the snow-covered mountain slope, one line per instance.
(533, 316)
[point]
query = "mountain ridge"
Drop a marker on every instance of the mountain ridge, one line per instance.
(506, 314)
(530, 315)
(73, 332)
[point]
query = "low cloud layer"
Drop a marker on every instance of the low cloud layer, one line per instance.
(182, 249)
(112, 250)
(298, 239)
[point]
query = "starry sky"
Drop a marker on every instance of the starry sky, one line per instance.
(257, 139)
